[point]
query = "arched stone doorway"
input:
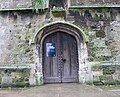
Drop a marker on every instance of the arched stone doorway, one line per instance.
(69, 38)
(60, 61)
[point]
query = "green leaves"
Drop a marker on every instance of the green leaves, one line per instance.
(39, 4)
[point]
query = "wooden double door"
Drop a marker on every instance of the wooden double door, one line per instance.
(60, 58)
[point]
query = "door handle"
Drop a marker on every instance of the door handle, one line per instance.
(64, 60)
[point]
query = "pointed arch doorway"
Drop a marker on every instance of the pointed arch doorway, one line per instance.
(59, 48)
(60, 59)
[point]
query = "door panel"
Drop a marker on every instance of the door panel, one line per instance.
(63, 66)
(50, 64)
(69, 56)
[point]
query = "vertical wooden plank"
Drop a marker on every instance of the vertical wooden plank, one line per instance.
(70, 70)
(50, 64)
(66, 55)
(74, 60)
(55, 64)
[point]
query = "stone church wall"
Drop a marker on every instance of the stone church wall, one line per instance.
(10, 4)
(102, 28)
(16, 32)
(18, 28)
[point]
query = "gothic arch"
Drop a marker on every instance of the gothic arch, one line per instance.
(40, 32)
(68, 28)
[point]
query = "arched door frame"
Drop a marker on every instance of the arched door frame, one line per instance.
(64, 27)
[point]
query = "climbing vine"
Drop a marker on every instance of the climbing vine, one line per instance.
(39, 4)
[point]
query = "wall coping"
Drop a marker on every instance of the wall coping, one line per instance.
(70, 7)
(15, 66)
(95, 6)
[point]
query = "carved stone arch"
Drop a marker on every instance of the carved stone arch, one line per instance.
(70, 29)
(61, 25)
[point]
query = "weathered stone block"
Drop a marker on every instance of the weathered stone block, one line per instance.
(6, 80)
(99, 42)
(104, 52)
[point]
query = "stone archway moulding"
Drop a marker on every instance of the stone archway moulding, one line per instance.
(39, 32)
(69, 29)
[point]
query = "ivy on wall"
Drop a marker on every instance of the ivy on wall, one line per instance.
(40, 4)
